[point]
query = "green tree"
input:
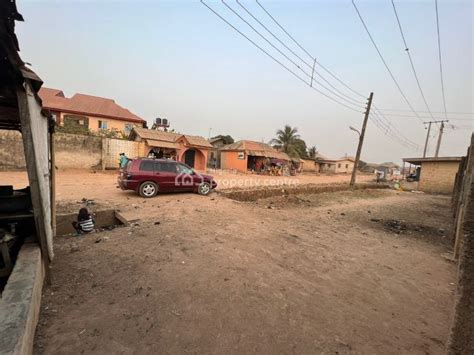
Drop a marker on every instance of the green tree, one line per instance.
(227, 139)
(289, 141)
(312, 152)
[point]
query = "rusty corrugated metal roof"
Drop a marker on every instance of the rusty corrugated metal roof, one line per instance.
(257, 149)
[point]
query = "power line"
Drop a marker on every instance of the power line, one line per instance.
(440, 61)
(284, 55)
(386, 129)
(381, 117)
(384, 62)
(310, 66)
(307, 52)
(452, 113)
(276, 60)
(294, 40)
(409, 57)
(436, 118)
(378, 118)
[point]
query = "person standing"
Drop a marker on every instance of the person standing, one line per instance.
(123, 160)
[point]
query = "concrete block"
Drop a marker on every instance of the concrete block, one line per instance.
(21, 301)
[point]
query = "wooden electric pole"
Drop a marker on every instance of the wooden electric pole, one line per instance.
(361, 139)
(427, 137)
(441, 129)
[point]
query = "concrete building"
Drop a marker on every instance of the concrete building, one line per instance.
(244, 155)
(309, 165)
(436, 175)
(343, 165)
(217, 143)
(86, 112)
(191, 150)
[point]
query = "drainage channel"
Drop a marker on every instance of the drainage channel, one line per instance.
(104, 219)
(256, 194)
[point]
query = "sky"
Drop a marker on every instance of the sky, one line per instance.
(178, 60)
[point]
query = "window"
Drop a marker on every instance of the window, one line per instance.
(183, 169)
(128, 128)
(165, 167)
(102, 124)
(339, 165)
(347, 165)
(147, 165)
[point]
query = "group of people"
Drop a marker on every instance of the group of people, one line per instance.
(267, 167)
(161, 154)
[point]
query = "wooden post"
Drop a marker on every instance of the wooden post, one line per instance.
(35, 133)
(440, 136)
(427, 137)
(52, 149)
(103, 154)
(361, 140)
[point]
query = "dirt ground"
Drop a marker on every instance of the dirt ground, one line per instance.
(347, 272)
(102, 185)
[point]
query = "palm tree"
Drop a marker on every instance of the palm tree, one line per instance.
(312, 152)
(288, 140)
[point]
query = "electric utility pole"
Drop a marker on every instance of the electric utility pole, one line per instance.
(441, 129)
(428, 135)
(361, 139)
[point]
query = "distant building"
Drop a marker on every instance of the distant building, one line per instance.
(436, 175)
(343, 165)
(243, 155)
(309, 165)
(192, 150)
(88, 112)
(217, 143)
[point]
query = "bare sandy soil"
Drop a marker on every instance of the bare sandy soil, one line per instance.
(348, 272)
(102, 185)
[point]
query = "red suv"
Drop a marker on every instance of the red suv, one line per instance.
(148, 176)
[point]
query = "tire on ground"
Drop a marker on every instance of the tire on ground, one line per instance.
(148, 189)
(204, 188)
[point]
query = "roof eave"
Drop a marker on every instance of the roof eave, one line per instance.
(56, 109)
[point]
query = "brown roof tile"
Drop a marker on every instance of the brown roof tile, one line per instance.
(54, 100)
(156, 135)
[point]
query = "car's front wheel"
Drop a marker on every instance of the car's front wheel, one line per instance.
(204, 189)
(148, 189)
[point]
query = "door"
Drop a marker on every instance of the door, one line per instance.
(189, 157)
(187, 178)
(165, 175)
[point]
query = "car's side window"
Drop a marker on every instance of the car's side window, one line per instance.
(165, 167)
(146, 165)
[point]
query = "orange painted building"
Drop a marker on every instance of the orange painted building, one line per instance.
(88, 112)
(243, 155)
(191, 150)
